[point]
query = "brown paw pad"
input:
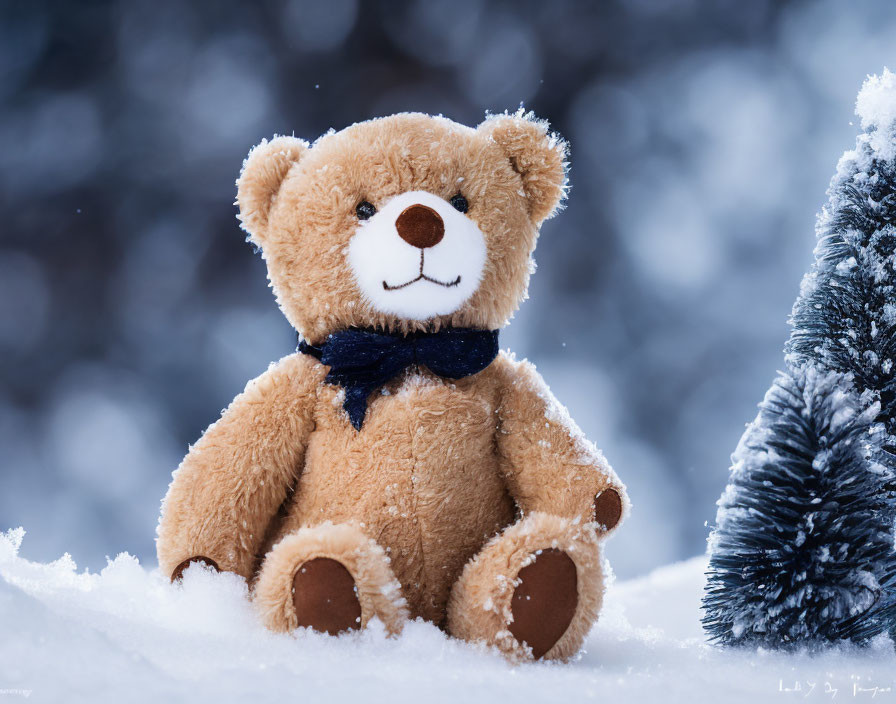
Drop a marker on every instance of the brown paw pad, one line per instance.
(608, 509)
(178, 573)
(545, 601)
(323, 592)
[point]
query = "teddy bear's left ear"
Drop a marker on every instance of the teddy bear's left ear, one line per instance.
(536, 154)
(260, 179)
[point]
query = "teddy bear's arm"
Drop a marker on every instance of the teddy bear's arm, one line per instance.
(231, 483)
(548, 464)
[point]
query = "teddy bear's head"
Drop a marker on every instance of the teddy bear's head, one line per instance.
(402, 223)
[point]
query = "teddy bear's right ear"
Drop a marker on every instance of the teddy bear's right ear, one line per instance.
(260, 179)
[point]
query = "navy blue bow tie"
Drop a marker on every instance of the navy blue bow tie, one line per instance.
(361, 361)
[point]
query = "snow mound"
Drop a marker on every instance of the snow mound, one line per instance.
(126, 634)
(876, 106)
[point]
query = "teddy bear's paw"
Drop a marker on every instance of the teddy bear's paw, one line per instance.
(330, 577)
(178, 573)
(544, 603)
(608, 509)
(325, 597)
(534, 591)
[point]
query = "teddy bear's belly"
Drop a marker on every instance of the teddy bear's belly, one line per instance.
(421, 478)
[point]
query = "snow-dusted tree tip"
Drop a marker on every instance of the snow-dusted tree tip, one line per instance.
(876, 107)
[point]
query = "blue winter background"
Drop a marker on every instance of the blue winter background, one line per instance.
(703, 137)
(131, 311)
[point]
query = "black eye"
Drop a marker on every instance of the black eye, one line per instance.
(459, 203)
(365, 210)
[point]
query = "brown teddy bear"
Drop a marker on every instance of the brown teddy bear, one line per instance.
(397, 465)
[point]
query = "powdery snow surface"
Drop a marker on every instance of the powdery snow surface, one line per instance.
(125, 634)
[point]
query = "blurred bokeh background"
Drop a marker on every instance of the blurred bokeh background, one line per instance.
(703, 137)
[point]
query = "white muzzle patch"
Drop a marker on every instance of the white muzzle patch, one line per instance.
(404, 268)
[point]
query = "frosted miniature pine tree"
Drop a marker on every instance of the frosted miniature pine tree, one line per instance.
(803, 548)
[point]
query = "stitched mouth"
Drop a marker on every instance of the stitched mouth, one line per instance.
(421, 277)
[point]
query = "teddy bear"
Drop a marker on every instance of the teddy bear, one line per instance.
(399, 465)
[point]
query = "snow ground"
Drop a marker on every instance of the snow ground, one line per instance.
(125, 634)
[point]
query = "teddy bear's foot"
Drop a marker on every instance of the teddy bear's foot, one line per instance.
(325, 597)
(544, 603)
(534, 591)
(331, 578)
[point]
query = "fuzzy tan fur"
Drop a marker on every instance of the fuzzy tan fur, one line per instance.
(440, 467)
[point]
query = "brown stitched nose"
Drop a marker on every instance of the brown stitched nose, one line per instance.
(420, 226)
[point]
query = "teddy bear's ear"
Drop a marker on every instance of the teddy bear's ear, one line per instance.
(536, 154)
(262, 173)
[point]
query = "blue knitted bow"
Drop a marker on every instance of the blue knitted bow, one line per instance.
(361, 361)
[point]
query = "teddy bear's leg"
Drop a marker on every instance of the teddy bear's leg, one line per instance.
(331, 578)
(534, 591)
